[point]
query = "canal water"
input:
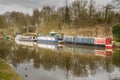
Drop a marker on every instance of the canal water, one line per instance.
(52, 62)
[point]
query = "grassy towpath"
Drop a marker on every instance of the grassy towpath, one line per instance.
(7, 73)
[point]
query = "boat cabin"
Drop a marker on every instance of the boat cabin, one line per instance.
(58, 36)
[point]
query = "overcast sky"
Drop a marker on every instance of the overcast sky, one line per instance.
(27, 6)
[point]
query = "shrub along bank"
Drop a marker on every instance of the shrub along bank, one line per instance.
(116, 34)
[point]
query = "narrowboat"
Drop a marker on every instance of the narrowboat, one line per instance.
(52, 38)
(89, 41)
(84, 41)
(104, 42)
(68, 39)
(25, 38)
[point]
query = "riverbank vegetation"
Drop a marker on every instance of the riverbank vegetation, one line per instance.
(116, 34)
(6, 72)
(81, 18)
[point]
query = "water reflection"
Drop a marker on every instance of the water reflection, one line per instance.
(25, 43)
(116, 58)
(88, 50)
(5, 49)
(80, 63)
(54, 47)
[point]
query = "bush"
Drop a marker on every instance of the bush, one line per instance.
(116, 32)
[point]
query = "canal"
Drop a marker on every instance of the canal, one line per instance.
(51, 62)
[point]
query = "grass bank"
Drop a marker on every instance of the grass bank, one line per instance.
(117, 44)
(7, 73)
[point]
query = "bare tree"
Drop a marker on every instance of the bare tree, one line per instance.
(79, 12)
(36, 16)
(91, 12)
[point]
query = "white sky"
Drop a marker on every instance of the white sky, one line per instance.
(27, 6)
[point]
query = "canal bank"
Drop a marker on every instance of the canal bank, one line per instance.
(7, 73)
(117, 44)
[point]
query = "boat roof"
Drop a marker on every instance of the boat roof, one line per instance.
(52, 32)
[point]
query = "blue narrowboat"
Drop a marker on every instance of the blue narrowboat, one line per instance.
(83, 41)
(68, 39)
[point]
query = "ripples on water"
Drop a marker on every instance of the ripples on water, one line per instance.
(60, 63)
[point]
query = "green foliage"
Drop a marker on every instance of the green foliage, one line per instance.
(6, 72)
(5, 76)
(116, 32)
(117, 44)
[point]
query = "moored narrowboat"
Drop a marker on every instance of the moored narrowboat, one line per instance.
(84, 41)
(89, 41)
(25, 38)
(68, 39)
(53, 38)
(104, 42)
(100, 41)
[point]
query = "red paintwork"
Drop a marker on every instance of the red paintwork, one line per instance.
(99, 41)
(108, 40)
(109, 47)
